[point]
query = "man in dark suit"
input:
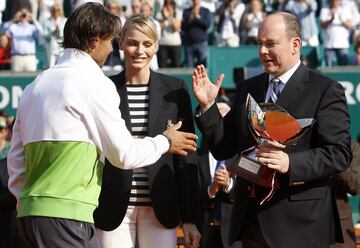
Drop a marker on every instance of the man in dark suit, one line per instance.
(302, 212)
(344, 183)
(173, 180)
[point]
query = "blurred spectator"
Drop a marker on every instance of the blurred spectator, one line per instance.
(354, 10)
(147, 10)
(125, 7)
(35, 8)
(77, 3)
(116, 9)
(113, 61)
(24, 31)
(211, 5)
(336, 22)
(271, 6)
(356, 59)
(4, 129)
(252, 20)
(356, 34)
(2, 8)
(54, 34)
(305, 10)
(342, 184)
(230, 13)
(196, 21)
(180, 5)
(13, 6)
(170, 41)
(135, 7)
(4, 52)
(45, 7)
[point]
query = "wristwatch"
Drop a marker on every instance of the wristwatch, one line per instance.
(168, 139)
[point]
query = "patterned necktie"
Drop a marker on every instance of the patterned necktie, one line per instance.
(275, 90)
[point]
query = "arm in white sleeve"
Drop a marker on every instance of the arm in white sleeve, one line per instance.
(113, 138)
(16, 161)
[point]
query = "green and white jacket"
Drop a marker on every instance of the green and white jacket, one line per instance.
(67, 121)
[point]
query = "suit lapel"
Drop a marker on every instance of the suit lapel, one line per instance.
(295, 85)
(155, 105)
(258, 89)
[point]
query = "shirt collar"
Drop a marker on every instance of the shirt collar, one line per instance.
(287, 75)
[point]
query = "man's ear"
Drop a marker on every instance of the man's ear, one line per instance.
(94, 43)
(296, 45)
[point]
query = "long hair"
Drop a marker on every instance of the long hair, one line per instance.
(87, 22)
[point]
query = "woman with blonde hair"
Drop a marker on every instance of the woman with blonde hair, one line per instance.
(145, 206)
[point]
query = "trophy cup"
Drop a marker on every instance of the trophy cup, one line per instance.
(267, 121)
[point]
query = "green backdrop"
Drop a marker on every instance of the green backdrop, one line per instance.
(12, 85)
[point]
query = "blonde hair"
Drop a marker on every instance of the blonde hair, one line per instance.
(143, 23)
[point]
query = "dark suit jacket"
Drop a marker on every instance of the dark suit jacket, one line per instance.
(347, 182)
(173, 179)
(302, 213)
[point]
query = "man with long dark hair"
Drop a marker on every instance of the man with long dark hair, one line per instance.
(67, 122)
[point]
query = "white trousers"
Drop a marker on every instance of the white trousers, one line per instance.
(23, 63)
(141, 224)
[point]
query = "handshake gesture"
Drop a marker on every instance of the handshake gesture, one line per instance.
(180, 142)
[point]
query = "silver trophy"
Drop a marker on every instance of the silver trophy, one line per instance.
(267, 121)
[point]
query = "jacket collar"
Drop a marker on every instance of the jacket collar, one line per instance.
(296, 84)
(155, 100)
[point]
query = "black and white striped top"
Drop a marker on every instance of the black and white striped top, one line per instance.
(138, 100)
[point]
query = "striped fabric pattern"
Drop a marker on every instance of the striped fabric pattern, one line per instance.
(138, 100)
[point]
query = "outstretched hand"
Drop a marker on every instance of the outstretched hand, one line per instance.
(181, 142)
(204, 90)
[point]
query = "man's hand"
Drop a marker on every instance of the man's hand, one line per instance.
(181, 142)
(222, 177)
(221, 180)
(192, 235)
(204, 90)
(270, 153)
(214, 188)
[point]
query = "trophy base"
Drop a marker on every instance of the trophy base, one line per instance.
(253, 171)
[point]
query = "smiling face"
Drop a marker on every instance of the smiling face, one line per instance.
(277, 51)
(138, 49)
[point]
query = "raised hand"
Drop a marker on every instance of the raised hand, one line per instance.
(204, 90)
(181, 142)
